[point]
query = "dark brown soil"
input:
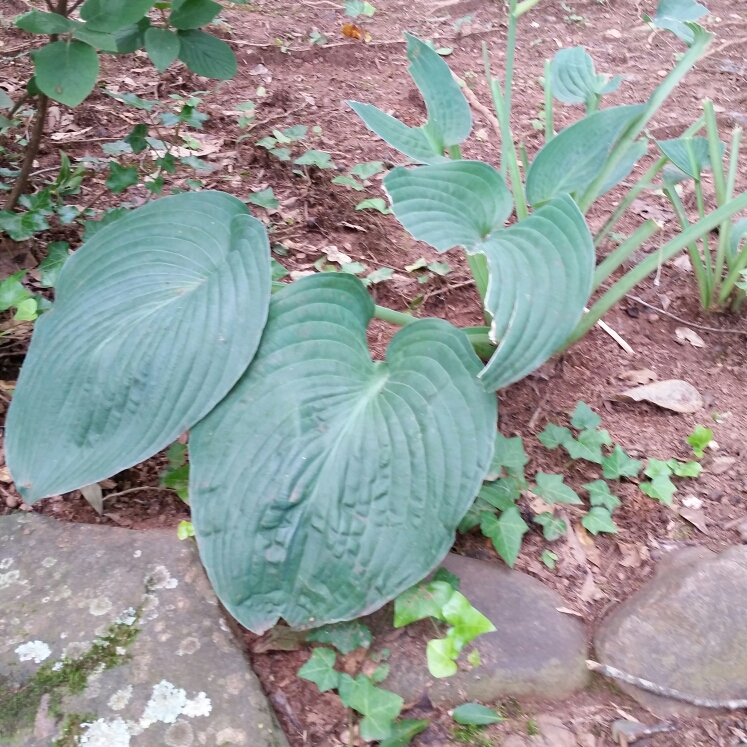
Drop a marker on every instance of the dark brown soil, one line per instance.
(307, 84)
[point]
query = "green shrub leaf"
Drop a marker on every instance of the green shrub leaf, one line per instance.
(411, 141)
(452, 204)
(541, 272)
(474, 714)
(38, 22)
(162, 46)
(66, 71)
(150, 329)
(207, 55)
(574, 158)
(97, 39)
(343, 447)
(114, 15)
(192, 14)
(131, 37)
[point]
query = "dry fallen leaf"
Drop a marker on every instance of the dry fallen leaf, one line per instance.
(631, 555)
(720, 464)
(685, 334)
(587, 542)
(649, 210)
(696, 517)
(590, 592)
(352, 31)
(672, 394)
(691, 501)
(683, 263)
(569, 611)
(642, 376)
(539, 506)
(5, 475)
(335, 255)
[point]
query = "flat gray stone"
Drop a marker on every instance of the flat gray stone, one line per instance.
(184, 680)
(685, 629)
(535, 651)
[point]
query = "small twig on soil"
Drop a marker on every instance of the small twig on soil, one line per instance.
(475, 103)
(685, 321)
(275, 116)
(664, 692)
(18, 105)
(447, 289)
(136, 490)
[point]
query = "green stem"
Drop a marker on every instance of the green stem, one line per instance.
(455, 152)
(616, 258)
(695, 260)
(706, 244)
(649, 265)
(391, 316)
(714, 151)
(510, 56)
(478, 265)
(549, 116)
(643, 183)
(702, 40)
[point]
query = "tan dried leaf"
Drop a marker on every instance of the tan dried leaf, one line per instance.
(685, 334)
(672, 394)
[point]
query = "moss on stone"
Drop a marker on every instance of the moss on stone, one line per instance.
(18, 707)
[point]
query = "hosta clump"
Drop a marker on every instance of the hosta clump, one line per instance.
(322, 483)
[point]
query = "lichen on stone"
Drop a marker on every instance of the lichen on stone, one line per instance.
(36, 651)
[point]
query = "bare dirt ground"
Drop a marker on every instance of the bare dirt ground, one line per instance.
(308, 84)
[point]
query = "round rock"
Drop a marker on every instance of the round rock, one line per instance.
(535, 650)
(685, 629)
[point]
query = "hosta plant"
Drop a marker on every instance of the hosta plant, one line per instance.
(324, 483)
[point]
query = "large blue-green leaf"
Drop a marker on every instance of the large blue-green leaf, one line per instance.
(541, 273)
(674, 15)
(411, 141)
(325, 484)
(574, 158)
(458, 203)
(573, 79)
(625, 166)
(156, 318)
(689, 154)
(449, 115)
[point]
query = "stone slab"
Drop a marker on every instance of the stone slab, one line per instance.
(185, 680)
(536, 650)
(685, 629)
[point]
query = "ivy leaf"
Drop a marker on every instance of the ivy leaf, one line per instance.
(443, 575)
(584, 418)
(474, 714)
(552, 489)
(319, 669)
(588, 446)
(421, 601)
(468, 622)
(136, 139)
(699, 439)
(656, 468)
(403, 732)
(506, 532)
(348, 181)
(374, 203)
(22, 226)
(554, 436)
(598, 520)
(618, 464)
(502, 494)
(344, 636)
(121, 177)
(367, 170)
(600, 495)
(549, 558)
(552, 527)
(509, 454)
(441, 656)
(661, 488)
(12, 291)
(49, 269)
(317, 158)
(380, 673)
(185, 530)
(378, 706)
(264, 199)
(685, 469)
